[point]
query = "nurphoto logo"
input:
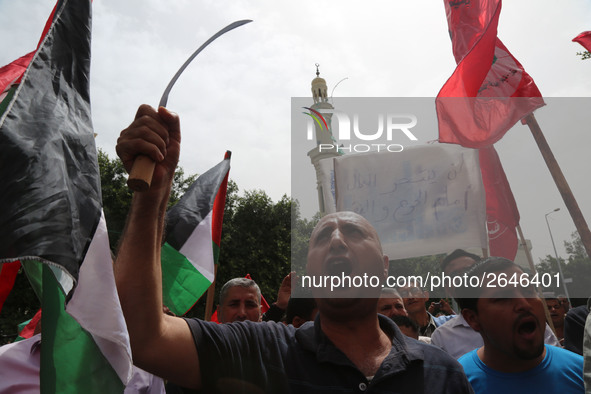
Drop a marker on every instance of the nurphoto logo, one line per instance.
(388, 126)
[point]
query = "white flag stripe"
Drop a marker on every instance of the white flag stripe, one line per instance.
(199, 248)
(95, 304)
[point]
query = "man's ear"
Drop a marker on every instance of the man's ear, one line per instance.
(471, 318)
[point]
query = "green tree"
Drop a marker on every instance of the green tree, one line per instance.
(301, 231)
(423, 267)
(577, 266)
(116, 195)
(256, 239)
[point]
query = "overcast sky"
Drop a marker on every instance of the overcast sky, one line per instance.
(236, 95)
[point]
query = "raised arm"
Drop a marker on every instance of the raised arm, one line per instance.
(161, 344)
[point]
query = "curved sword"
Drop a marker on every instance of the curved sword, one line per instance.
(226, 29)
(140, 176)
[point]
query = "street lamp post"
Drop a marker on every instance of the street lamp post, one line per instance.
(556, 254)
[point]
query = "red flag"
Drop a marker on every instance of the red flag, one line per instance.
(264, 306)
(8, 273)
(584, 39)
(502, 215)
(489, 90)
(10, 73)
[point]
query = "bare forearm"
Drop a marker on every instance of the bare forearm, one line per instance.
(137, 268)
(161, 344)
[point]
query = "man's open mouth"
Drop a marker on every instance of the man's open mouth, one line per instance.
(527, 326)
(339, 267)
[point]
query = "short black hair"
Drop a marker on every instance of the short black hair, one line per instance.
(467, 296)
(456, 254)
(406, 321)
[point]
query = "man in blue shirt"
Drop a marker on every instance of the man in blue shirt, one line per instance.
(510, 318)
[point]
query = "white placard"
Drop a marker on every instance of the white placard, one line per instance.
(424, 200)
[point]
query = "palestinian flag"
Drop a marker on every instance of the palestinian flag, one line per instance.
(51, 218)
(193, 235)
(27, 328)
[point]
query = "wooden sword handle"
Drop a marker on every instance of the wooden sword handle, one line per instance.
(140, 176)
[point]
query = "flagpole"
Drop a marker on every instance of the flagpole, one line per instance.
(560, 180)
(210, 296)
(530, 260)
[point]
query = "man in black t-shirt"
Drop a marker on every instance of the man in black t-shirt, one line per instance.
(348, 348)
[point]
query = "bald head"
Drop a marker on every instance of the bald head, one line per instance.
(346, 217)
(345, 244)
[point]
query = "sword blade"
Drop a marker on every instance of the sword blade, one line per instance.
(231, 26)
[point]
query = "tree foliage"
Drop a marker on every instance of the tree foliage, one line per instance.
(256, 239)
(300, 236)
(577, 266)
(116, 195)
(423, 267)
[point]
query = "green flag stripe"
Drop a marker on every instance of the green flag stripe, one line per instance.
(70, 360)
(7, 99)
(20, 328)
(182, 283)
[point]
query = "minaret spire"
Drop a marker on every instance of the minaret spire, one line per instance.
(319, 89)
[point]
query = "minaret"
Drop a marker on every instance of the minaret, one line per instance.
(323, 135)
